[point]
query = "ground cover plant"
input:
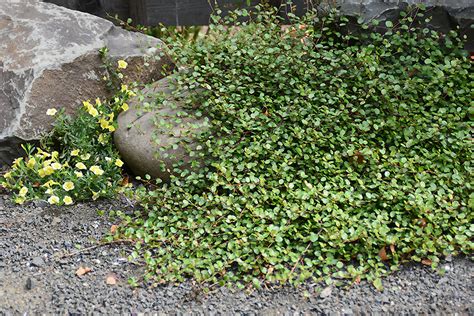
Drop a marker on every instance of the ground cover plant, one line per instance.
(331, 155)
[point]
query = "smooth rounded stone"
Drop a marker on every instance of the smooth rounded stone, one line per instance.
(150, 139)
(49, 58)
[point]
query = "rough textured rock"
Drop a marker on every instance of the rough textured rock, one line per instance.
(49, 59)
(145, 138)
(446, 14)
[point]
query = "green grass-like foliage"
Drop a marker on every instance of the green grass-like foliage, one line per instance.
(331, 155)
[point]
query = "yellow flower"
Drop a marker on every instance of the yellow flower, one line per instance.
(96, 170)
(49, 183)
(53, 199)
(19, 200)
(49, 191)
(95, 195)
(81, 166)
(93, 112)
(87, 104)
(124, 88)
(111, 128)
(67, 200)
(122, 64)
(17, 161)
(47, 162)
(125, 107)
(46, 171)
(51, 112)
(7, 175)
(31, 163)
(68, 186)
(23, 191)
(42, 173)
(104, 123)
(118, 163)
(54, 155)
(56, 166)
(75, 152)
(78, 174)
(85, 157)
(97, 102)
(43, 153)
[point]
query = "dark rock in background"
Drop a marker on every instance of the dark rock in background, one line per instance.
(446, 14)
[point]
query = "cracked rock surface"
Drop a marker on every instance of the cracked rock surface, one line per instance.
(42, 247)
(49, 59)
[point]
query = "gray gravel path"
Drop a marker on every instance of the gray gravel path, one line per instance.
(34, 280)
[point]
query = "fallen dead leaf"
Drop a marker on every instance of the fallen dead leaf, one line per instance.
(422, 222)
(357, 280)
(392, 248)
(383, 254)
(111, 279)
(83, 270)
(125, 181)
(426, 262)
(113, 229)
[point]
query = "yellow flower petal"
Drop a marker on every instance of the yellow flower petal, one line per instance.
(56, 166)
(96, 170)
(122, 64)
(68, 200)
(31, 163)
(23, 191)
(81, 166)
(68, 186)
(51, 112)
(118, 163)
(53, 199)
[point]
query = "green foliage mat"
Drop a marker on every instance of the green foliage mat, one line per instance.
(331, 155)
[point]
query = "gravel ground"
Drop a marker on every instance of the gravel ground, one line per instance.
(36, 277)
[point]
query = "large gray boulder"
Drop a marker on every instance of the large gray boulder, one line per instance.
(49, 59)
(159, 131)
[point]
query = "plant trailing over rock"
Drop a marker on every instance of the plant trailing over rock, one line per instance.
(332, 154)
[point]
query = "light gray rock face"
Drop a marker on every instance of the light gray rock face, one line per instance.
(49, 59)
(160, 135)
(446, 14)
